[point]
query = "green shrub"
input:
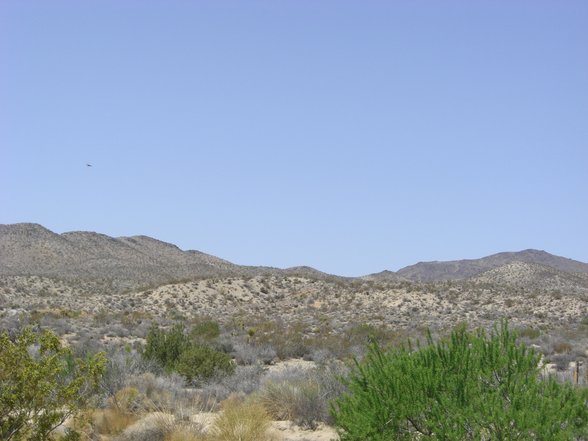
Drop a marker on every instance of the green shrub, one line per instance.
(175, 351)
(471, 386)
(166, 347)
(41, 388)
(202, 362)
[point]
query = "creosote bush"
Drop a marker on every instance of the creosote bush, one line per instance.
(470, 386)
(42, 384)
(202, 362)
(176, 351)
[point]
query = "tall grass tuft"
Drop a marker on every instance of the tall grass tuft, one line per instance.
(242, 421)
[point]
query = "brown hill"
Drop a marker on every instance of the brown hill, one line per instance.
(385, 276)
(462, 269)
(90, 274)
(30, 249)
(130, 262)
(532, 275)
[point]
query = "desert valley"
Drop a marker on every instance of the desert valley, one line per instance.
(289, 328)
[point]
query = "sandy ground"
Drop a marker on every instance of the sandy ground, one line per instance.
(284, 430)
(287, 431)
(295, 363)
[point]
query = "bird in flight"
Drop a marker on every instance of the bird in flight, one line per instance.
(88, 165)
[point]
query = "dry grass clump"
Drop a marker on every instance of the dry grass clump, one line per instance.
(185, 434)
(120, 413)
(127, 400)
(242, 421)
(131, 415)
(562, 347)
(153, 427)
(161, 426)
(298, 400)
(278, 398)
(167, 393)
(244, 381)
(302, 395)
(111, 421)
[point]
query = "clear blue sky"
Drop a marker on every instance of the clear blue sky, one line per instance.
(351, 136)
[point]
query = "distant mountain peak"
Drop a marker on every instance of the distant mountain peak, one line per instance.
(31, 249)
(24, 227)
(532, 275)
(462, 269)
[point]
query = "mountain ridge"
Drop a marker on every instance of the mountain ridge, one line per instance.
(32, 249)
(466, 268)
(533, 275)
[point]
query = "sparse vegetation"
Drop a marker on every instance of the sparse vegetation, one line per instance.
(178, 349)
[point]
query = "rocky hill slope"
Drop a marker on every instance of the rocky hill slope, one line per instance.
(463, 269)
(30, 249)
(125, 262)
(141, 261)
(116, 287)
(532, 275)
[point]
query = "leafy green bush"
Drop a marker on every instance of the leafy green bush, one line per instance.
(471, 386)
(42, 384)
(202, 362)
(175, 351)
(166, 347)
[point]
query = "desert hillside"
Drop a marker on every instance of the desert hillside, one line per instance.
(31, 249)
(140, 280)
(536, 276)
(91, 273)
(123, 262)
(462, 269)
(295, 328)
